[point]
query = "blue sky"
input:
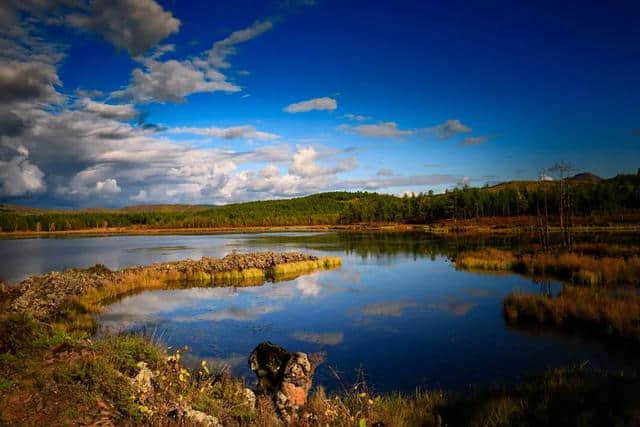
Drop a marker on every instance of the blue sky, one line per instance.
(110, 103)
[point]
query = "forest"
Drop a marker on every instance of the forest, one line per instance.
(581, 198)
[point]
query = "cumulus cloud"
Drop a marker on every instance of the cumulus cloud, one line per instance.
(449, 129)
(18, 176)
(108, 111)
(379, 130)
(28, 82)
(236, 132)
(134, 25)
(320, 104)
(172, 81)
(475, 140)
(305, 164)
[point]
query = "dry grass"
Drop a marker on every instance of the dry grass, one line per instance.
(595, 311)
(487, 259)
(576, 268)
(297, 268)
(79, 310)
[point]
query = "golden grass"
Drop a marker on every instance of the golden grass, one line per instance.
(487, 259)
(597, 311)
(78, 310)
(292, 268)
(576, 268)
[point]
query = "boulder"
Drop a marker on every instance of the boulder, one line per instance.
(284, 376)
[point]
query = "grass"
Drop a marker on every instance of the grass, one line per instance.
(64, 379)
(581, 269)
(77, 312)
(293, 269)
(608, 314)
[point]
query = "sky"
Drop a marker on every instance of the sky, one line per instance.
(121, 102)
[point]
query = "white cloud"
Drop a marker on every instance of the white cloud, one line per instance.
(172, 81)
(379, 130)
(355, 117)
(305, 164)
(220, 50)
(449, 129)
(134, 25)
(18, 176)
(108, 111)
(140, 197)
(324, 103)
(235, 132)
(401, 181)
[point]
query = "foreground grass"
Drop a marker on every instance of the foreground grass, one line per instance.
(50, 377)
(577, 268)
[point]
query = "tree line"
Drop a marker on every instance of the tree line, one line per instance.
(616, 195)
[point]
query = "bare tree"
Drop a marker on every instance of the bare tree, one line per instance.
(565, 204)
(543, 214)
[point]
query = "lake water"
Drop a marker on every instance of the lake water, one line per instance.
(397, 310)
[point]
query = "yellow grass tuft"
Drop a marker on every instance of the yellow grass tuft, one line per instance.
(576, 268)
(597, 311)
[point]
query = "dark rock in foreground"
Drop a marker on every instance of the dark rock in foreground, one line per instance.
(284, 376)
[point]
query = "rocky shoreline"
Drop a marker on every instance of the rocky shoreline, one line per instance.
(45, 296)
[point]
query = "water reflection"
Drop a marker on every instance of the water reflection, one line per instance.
(397, 308)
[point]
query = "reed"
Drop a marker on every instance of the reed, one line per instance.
(615, 315)
(576, 268)
(299, 267)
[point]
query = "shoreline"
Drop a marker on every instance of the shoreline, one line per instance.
(468, 227)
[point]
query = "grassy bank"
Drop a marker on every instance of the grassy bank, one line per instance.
(595, 300)
(593, 311)
(577, 268)
(72, 298)
(51, 377)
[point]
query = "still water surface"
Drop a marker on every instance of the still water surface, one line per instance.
(396, 310)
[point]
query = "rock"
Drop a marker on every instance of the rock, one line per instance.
(191, 417)
(200, 419)
(285, 377)
(250, 398)
(142, 382)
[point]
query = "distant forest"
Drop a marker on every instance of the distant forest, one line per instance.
(583, 197)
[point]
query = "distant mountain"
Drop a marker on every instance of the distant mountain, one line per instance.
(586, 177)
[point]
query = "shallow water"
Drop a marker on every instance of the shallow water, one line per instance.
(397, 310)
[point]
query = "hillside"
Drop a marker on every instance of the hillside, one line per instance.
(588, 195)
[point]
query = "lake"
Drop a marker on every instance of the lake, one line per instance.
(397, 311)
